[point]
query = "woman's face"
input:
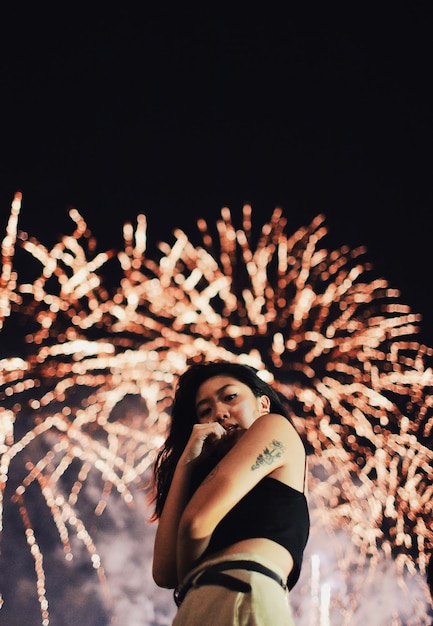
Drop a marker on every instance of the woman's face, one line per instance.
(226, 400)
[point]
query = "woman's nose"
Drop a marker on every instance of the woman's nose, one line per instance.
(221, 414)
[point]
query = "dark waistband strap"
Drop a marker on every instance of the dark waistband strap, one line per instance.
(213, 575)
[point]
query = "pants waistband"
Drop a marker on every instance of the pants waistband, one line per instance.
(214, 575)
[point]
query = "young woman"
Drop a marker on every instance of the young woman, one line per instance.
(230, 498)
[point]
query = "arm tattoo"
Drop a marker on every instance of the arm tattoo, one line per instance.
(273, 451)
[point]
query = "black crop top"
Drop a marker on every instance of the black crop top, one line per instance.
(271, 510)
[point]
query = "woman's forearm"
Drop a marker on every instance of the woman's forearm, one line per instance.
(166, 541)
(195, 530)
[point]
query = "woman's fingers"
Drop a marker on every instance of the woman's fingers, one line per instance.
(201, 433)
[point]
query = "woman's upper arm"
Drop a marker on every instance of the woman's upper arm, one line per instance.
(269, 444)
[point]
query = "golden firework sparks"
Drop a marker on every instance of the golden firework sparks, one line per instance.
(93, 392)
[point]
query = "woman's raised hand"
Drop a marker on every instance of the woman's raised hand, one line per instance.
(201, 439)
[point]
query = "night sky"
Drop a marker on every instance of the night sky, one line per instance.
(176, 114)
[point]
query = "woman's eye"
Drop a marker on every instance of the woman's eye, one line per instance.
(203, 413)
(230, 396)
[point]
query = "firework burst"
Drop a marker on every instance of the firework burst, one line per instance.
(90, 390)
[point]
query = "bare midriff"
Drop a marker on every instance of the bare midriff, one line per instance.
(266, 548)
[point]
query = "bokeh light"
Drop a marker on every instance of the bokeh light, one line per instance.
(101, 337)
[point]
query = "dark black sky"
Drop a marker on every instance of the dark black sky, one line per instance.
(177, 113)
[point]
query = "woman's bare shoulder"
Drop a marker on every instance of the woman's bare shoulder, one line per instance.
(276, 423)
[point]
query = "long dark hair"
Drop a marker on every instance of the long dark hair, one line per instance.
(183, 416)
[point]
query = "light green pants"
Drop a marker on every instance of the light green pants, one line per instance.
(211, 605)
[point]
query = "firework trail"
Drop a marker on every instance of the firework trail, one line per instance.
(88, 393)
